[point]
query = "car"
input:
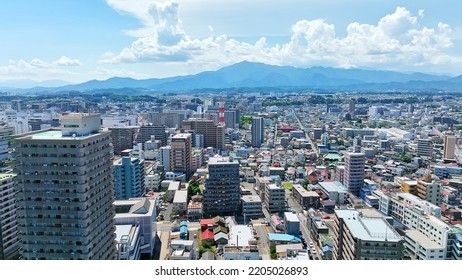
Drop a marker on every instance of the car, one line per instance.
(311, 244)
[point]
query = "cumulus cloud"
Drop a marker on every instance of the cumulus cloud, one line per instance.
(395, 40)
(66, 61)
(37, 68)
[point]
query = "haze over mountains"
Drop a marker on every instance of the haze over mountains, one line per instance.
(258, 75)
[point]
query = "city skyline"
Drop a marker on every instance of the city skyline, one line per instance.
(76, 42)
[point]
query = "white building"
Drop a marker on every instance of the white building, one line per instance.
(182, 250)
(164, 157)
(139, 212)
(335, 191)
(359, 237)
(180, 202)
(128, 242)
(418, 246)
(241, 245)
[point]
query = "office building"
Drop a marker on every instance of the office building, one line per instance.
(214, 135)
(258, 134)
(354, 171)
(172, 120)
(352, 106)
(156, 130)
(424, 148)
(122, 138)
(9, 243)
(449, 146)
(251, 207)
(5, 133)
(181, 154)
(164, 157)
(317, 132)
(222, 193)
(65, 191)
(230, 119)
(359, 237)
(129, 178)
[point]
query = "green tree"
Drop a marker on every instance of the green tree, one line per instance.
(194, 188)
(273, 252)
(246, 120)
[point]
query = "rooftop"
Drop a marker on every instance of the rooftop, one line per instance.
(334, 186)
(180, 197)
(221, 160)
(291, 217)
(240, 235)
(130, 208)
(251, 198)
(282, 237)
(423, 240)
(368, 228)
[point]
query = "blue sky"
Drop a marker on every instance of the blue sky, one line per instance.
(95, 39)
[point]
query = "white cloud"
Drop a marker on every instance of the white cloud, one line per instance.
(66, 61)
(397, 41)
(38, 69)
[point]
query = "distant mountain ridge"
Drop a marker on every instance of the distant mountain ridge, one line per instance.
(258, 75)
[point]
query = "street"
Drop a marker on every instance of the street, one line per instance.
(303, 224)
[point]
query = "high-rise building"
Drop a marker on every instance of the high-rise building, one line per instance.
(449, 146)
(122, 138)
(411, 108)
(317, 132)
(352, 106)
(181, 154)
(156, 130)
(354, 171)
(424, 148)
(9, 244)
(230, 119)
(129, 176)
(214, 135)
(164, 157)
(168, 119)
(222, 193)
(359, 237)
(258, 134)
(5, 133)
(65, 191)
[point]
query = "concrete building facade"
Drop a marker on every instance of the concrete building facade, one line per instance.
(9, 242)
(222, 193)
(65, 191)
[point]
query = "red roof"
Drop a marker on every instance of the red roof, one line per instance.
(207, 234)
(206, 222)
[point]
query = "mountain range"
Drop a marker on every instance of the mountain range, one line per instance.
(258, 75)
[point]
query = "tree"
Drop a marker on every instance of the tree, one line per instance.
(246, 120)
(194, 188)
(273, 252)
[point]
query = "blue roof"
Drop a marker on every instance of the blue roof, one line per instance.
(183, 223)
(283, 237)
